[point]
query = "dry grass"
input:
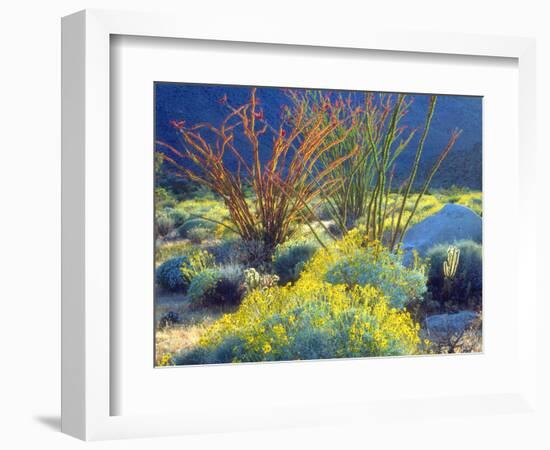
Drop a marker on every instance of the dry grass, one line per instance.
(174, 338)
(169, 341)
(171, 249)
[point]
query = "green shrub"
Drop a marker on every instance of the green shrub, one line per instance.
(225, 251)
(465, 288)
(169, 319)
(354, 263)
(289, 260)
(163, 198)
(169, 275)
(178, 216)
(198, 235)
(165, 250)
(229, 289)
(223, 353)
(164, 223)
(202, 285)
(168, 219)
(218, 287)
(198, 261)
(324, 212)
(183, 230)
(177, 273)
(237, 251)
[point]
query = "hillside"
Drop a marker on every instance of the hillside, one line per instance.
(200, 103)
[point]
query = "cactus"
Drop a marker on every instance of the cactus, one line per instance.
(254, 280)
(451, 264)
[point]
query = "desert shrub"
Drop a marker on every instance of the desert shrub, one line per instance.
(178, 216)
(472, 200)
(183, 230)
(334, 230)
(225, 251)
(223, 353)
(237, 251)
(224, 231)
(165, 360)
(289, 260)
(353, 262)
(168, 219)
(197, 262)
(164, 198)
(168, 319)
(229, 289)
(217, 287)
(254, 253)
(165, 250)
(165, 224)
(323, 212)
(205, 206)
(307, 321)
(169, 275)
(461, 196)
(202, 284)
(198, 235)
(176, 273)
(465, 287)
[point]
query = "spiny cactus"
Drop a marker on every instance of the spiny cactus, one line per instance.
(451, 264)
(254, 280)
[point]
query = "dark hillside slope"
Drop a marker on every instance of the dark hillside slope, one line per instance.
(196, 103)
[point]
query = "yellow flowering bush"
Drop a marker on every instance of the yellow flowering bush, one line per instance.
(348, 302)
(354, 262)
(309, 320)
(472, 200)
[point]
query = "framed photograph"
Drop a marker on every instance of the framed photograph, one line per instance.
(267, 228)
(297, 224)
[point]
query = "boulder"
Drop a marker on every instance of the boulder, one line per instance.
(444, 325)
(450, 224)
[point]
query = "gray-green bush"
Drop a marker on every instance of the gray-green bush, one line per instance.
(229, 289)
(465, 288)
(218, 287)
(198, 235)
(201, 285)
(183, 230)
(168, 219)
(289, 260)
(169, 275)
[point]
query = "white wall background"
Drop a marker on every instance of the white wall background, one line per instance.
(30, 198)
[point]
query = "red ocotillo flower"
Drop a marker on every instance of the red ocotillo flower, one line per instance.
(259, 114)
(179, 125)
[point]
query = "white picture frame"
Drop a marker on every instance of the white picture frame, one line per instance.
(87, 327)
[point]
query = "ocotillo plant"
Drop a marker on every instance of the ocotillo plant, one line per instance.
(283, 186)
(368, 176)
(347, 200)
